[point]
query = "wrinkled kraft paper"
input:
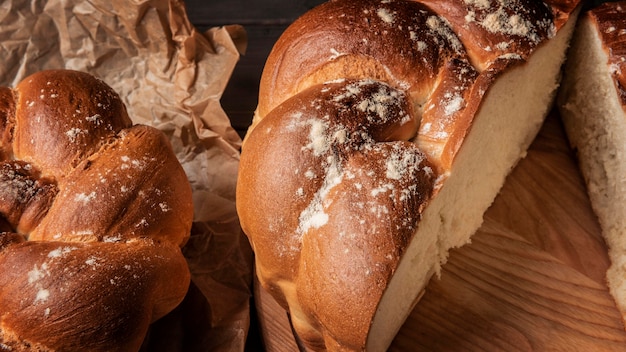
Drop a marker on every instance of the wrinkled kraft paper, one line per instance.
(172, 77)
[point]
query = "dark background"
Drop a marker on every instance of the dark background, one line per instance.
(264, 21)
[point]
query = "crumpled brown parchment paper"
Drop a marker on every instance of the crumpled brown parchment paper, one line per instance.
(172, 77)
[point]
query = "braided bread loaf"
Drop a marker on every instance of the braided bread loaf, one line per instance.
(592, 102)
(95, 212)
(383, 132)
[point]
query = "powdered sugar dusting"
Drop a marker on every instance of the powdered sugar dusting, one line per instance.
(318, 142)
(59, 252)
(85, 198)
(481, 4)
(399, 164)
(37, 273)
(92, 261)
(112, 238)
(453, 104)
(95, 119)
(504, 17)
(385, 15)
(331, 139)
(314, 215)
(500, 22)
(73, 133)
(441, 26)
(42, 295)
(510, 56)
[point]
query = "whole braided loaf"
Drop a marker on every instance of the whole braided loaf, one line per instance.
(94, 211)
(384, 130)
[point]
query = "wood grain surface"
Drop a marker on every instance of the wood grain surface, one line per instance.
(531, 280)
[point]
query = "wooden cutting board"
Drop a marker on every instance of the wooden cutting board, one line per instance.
(531, 280)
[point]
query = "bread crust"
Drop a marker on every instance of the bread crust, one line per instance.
(610, 20)
(313, 177)
(95, 211)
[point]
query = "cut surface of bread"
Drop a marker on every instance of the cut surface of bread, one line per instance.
(377, 149)
(591, 103)
(509, 118)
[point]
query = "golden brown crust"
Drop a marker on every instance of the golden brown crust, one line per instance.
(609, 18)
(313, 169)
(100, 296)
(122, 194)
(25, 197)
(345, 138)
(562, 10)
(6, 237)
(105, 207)
(63, 116)
(353, 37)
(502, 29)
(7, 120)
(440, 48)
